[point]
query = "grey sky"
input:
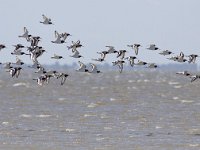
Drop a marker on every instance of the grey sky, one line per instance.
(170, 24)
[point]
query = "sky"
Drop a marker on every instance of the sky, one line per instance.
(170, 24)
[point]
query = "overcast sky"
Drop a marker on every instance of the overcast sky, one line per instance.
(170, 24)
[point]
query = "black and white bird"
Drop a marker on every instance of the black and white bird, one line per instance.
(7, 65)
(135, 47)
(59, 40)
(35, 53)
(18, 61)
(63, 77)
(192, 58)
(181, 57)
(2, 46)
(184, 73)
(131, 60)
(94, 69)
(103, 56)
(98, 59)
(18, 47)
(141, 63)
(25, 34)
(14, 72)
(76, 54)
(62, 36)
(41, 80)
(174, 58)
(82, 67)
(152, 65)
(152, 47)
(111, 49)
(75, 45)
(166, 52)
(19, 52)
(40, 69)
(56, 57)
(65, 35)
(34, 40)
(121, 54)
(194, 77)
(46, 20)
(119, 63)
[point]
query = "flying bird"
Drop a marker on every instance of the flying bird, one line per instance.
(46, 20)
(121, 54)
(135, 47)
(2, 46)
(63, 77)
(111, 49)
(165, 52)
(119, 63)
(56, 57)
(82, 67)
(14, 72)
(131, 60)
(152, 47)
(94, 69)
(76, 54)
(184, 73)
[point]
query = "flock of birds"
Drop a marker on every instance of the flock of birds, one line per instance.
(34, 51)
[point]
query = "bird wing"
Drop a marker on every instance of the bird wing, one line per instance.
(94, 67)
(56, 34)
(63, 80)
(194, 78)
(45, 18)
(82, 65)
(25, 30)
(103, 55)
(119, 53)
(136, 49)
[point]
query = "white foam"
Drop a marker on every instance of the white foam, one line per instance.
(194, 145)
(112, 99)
(100, 139)
(25, 116)
(62, 99)
(177, 86)
(158, 127)
(107, 128)
(146, 80)
(104, 116)
(69, 130)
(20, 84)
(43, 116)
(175, 98)
(89, 115)
(186, 101)
(92, 105)
(173, 83)
(131, 81)
(44, 130)
(5, 123)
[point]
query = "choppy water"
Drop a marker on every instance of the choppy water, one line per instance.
(110, 111)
